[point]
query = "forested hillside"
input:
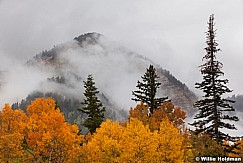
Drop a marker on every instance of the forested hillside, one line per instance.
(69, 107)
(115, 68)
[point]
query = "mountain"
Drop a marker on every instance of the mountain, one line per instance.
(115, 69)
(238, 105)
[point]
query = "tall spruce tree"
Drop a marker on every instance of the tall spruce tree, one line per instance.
(213, 108)
(92, 106)
(147, 90)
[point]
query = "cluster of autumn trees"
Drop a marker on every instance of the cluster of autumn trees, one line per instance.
(43, 135)
(38, 136)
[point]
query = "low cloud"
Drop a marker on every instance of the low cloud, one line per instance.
(17, 81)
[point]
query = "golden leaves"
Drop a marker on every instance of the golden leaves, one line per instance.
(169, 143)
(48, 136)
(12, 124)
(134, 143)
(43, 135)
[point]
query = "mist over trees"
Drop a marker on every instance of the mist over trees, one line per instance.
(69, 107)
(238, 105)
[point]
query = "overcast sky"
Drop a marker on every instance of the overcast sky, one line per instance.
(170, 32)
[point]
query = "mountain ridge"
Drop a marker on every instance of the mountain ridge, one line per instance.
(67, 60)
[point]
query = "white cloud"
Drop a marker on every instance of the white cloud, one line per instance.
(169, 32)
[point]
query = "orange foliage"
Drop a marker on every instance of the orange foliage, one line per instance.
(167, 110)
(42, 136)
(239, 151)
(140, 112)
(48, 136)
(12, 124)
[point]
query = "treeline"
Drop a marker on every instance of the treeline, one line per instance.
(69, 107)
(43, 135)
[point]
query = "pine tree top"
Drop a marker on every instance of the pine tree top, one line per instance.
(147, 89)
(92, 106)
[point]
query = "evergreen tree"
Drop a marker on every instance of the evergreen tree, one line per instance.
(148, 89)
(212, 107)
(92, 106)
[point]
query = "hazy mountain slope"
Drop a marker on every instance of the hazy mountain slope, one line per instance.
(116, 71)
(69, 107)
(238, 105)
(177, 91)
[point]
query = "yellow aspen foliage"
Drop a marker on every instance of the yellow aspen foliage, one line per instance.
(102, 146)
(105, 144)
(48, 136)
(132, 143)
(169, 143)
(187, 147)
(81, 154)
(137, 142)
(12, 124)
